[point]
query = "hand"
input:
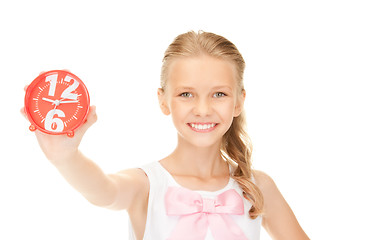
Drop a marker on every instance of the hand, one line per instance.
(59, 148)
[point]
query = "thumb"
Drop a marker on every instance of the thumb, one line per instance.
(90, 120)
(23, 112)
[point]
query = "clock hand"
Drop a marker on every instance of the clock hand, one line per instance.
(56, 103)
(48, 100)
(72, 101)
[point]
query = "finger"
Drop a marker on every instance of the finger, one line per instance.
(23, 112)
(92, 116)
(91, 119)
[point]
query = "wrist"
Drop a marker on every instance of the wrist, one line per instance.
(63, 158)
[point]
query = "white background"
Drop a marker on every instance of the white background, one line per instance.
(307, 103)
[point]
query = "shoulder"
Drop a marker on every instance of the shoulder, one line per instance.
(139, 180)
(132, 186)
(278, 218)
(268, 188)
(136, 177)
(134, 174)
(264, 182)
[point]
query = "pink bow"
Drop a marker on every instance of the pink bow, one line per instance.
(197, 214)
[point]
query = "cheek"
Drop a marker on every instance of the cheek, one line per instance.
(173, 106)
(227, 108)
(178, 109)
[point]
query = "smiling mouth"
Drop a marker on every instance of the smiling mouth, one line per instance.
(202, 127)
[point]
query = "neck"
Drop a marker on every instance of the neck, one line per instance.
(203, 162)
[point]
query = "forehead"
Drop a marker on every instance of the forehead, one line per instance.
(201, 72)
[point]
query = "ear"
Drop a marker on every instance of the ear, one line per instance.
(239, 105)
(162, 102)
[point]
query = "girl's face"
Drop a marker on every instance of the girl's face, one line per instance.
(203, 97)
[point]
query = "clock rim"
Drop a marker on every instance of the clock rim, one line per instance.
(32, 86)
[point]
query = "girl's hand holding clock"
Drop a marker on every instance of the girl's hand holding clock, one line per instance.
(58, 148)
(59, 112)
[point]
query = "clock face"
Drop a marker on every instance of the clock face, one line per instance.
(57, 102)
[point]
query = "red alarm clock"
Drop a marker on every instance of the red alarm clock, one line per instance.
(57, 102)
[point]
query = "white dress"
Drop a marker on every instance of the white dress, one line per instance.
(159, 226)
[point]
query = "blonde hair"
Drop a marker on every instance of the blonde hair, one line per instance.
(236, 145)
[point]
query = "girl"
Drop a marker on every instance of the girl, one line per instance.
(206, 188)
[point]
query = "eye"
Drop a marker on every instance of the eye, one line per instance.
(220, 94)
(185, 94)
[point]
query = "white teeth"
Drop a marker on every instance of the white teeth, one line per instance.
(202, 126)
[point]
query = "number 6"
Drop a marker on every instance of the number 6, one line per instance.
(50, 120)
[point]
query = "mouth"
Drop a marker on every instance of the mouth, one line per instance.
(202, 127)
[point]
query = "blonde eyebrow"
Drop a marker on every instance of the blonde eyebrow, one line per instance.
(191, 88)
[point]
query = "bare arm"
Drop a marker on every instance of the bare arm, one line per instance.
(84, 175)
(87, 178)
(114, 191)
(278, 219)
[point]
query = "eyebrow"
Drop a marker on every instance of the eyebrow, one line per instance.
(191, 88)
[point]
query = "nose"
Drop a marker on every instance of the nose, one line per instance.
(202, 107)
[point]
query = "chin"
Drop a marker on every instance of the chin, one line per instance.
(203, 142)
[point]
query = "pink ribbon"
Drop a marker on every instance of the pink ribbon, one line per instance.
(197, 214)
